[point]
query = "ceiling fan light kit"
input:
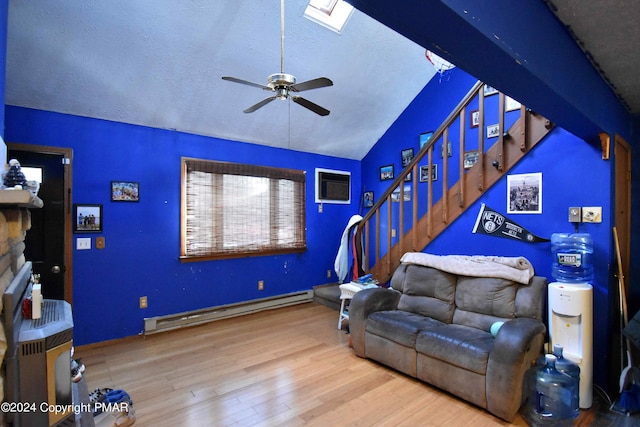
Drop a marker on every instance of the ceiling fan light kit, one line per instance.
(282, 84)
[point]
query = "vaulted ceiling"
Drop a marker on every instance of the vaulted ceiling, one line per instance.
(159, 63)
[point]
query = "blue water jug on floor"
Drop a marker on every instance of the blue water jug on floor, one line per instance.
(572, 369)
(554, 395)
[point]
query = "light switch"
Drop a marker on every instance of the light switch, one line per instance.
(83, 243)
(100, 242)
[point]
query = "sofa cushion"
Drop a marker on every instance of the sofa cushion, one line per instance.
(426, 291)
(481, 301)
(459, 345)
(399, 326)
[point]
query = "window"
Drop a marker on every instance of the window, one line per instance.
(332, 14)
(232, 210)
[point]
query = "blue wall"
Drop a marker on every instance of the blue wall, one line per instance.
(4, 13)
(561, 158)
(143, 239)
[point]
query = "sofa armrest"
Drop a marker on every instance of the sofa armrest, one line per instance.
(362, 305)
(517, 344)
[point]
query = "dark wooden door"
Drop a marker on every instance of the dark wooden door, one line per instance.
(45, 241)
(622, 153)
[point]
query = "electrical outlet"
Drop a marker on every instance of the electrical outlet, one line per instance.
(592, 214)
(143, 302)
(328, 274)
(320, 208)
(575, 214)
(260, 285)
(393, 232)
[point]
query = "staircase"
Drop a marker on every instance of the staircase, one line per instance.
(410, 213)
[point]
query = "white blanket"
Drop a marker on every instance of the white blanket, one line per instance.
(518, 269)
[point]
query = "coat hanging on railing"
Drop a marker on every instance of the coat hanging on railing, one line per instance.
(349, 258)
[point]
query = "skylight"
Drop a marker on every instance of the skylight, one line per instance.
(332, 14)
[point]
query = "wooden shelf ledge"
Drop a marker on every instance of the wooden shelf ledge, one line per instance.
(19, 198)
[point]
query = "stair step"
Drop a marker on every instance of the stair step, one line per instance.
(328, 294)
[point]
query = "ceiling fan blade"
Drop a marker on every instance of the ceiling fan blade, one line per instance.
(311, 84)
(310, 105)
(245, 82)
(260, 104)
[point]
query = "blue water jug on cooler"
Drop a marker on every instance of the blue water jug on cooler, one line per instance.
(572, 254)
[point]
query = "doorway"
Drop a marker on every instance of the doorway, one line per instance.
(48, 243)
(622, 154)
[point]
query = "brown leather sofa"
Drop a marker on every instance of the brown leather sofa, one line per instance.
(435, 326)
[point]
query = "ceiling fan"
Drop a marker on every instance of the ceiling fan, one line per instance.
(283, 84)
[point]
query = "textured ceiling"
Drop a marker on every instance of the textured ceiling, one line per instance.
(609, 33)
(159, 63)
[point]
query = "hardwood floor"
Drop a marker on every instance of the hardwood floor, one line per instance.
(290, 366)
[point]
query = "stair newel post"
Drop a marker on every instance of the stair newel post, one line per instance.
(481, 183)
(367, 250)
(445, 174)
(463, 176)
(500, 156)
(400, 232)
(430, 193)
(389, 228)
(377, 237)
(414, 214)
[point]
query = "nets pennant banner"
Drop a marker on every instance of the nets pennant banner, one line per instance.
(495, 224)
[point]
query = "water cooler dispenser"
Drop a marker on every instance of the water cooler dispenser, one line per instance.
(571, 305)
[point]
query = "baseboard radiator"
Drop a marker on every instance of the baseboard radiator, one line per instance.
(153, 325)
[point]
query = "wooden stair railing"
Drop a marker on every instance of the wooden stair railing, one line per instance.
(380, 223)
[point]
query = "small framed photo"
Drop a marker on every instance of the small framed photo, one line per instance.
(125, 191)
(424, 138)
(367, 199)
(474, 118)
(510, 104)
(424, 173)
(386, 172)
(493, 131)
(407, 156)
(488, 90)
(395, 196)
(470, 158)
(449, 150)
(88, 218)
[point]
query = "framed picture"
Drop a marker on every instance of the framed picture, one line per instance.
(367, 198)
(449, 150)
(424, 138)
(407, 156)
(510, 104)
(424, 173)
(386, 172)
(395, 196)
(470, 158)
(488, 90)
(524, 193)
(125, 191)
(474, 118)
(88, 218)
(493, 131)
